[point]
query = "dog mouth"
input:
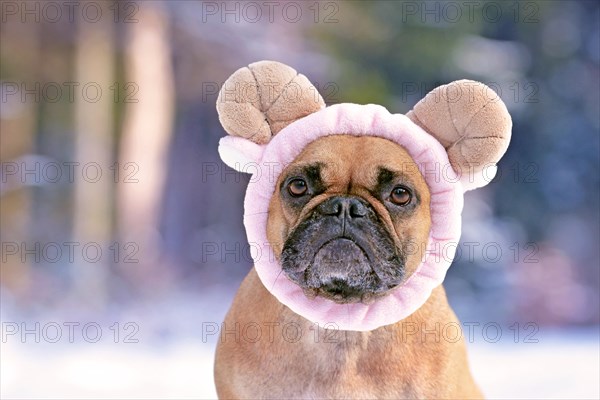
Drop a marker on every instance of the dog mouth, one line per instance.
(343, 271)
(343, 252)
(340, 252)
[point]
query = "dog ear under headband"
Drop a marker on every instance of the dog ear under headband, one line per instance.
(467, 117)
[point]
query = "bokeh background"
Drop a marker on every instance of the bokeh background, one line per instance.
(121, 230)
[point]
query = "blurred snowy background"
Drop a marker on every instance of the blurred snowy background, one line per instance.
(121, 231)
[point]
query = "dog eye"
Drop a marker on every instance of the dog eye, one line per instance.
(400, 196)
(297, 187)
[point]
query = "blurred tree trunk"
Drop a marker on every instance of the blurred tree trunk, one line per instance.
(94, 66)
(147, 129)
(18, 126)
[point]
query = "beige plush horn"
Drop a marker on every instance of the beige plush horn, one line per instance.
(469, 119)
(257, 101)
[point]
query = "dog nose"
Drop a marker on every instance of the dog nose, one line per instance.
(349, 207)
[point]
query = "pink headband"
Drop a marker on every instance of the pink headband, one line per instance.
(266, 162)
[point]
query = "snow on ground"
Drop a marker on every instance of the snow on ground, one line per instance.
(182, 371)
(564, 366)
(164, 355)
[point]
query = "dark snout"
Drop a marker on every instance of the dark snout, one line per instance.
(342, 251)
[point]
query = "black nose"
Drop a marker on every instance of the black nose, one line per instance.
(348, 207)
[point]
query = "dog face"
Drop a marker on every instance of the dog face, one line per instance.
(350, 218)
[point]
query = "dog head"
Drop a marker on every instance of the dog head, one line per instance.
(344, 196)
(348, 218)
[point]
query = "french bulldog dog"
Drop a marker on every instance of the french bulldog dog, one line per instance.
(345, 300)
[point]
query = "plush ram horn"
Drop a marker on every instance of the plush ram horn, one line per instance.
(257, 101)
(470, 120)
